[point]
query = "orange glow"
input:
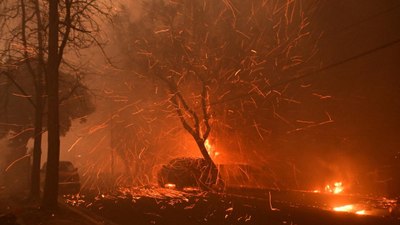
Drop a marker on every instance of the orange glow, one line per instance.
(345, 208)
(360, 212)
(169, 185)
(350, 209)
(210, 149)
(191, 189)
(337, 188)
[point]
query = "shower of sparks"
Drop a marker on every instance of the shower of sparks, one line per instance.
(97, 128)
(312, 124)
(322, 96)
(239, 84)
(20, 133)
(258, 130)
(21, 95)
(16, 161)
(75, 143)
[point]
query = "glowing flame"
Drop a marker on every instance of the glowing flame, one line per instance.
(345, 208)
(338, 188)
(335, 189)
(361, 212)
(208, 146)
(350, 209)
(169, 185)
(210, 149)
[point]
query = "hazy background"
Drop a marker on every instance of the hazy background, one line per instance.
(361, 96)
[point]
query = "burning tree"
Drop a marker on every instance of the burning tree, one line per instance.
(210, 55)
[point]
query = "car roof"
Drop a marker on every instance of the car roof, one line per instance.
(61, 164)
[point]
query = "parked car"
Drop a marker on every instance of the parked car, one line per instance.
(68, 180)
(188, 172)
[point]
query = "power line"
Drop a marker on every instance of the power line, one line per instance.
(373, 16)
(312, 73)
(331, 65)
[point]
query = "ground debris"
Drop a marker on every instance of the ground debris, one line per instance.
(154, 205)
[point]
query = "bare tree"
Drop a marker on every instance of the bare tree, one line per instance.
(25, 46)
(209, 54)
(52, 76)
(76, 28)
(25, 27)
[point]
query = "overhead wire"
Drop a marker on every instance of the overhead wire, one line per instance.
(366, 19)
(327, 67)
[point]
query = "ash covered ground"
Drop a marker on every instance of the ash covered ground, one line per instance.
(153, 205)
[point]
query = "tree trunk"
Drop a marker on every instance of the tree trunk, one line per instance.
(211, 171)
(39, 90)
(203, 150)
(51, 184)
(37, 145)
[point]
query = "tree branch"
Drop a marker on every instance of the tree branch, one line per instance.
(73, 90)
(19, 87)
(67, 21)
(205, 107)
(24, 41)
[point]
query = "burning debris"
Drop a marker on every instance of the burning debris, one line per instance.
(336, 189)
(149, 205)
(350, 208)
